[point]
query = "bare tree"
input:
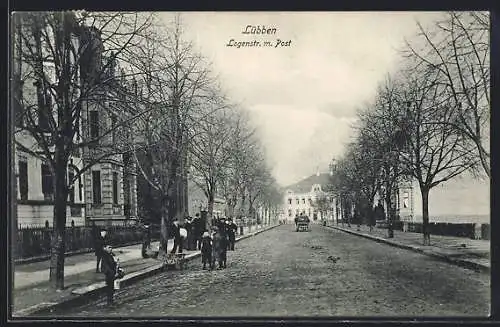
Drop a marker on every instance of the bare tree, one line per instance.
(65, 64)
(211, 152)
(175, 84)
(239, 163)
(432, 153)
(380, 137)
(458, 47)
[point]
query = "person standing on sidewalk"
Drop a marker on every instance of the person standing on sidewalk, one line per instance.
(232, 230)
(99, 243)
(178, 237)
(197, 231)
(206, 251)
(109, 269)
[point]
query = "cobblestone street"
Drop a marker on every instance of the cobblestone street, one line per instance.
(284, 273)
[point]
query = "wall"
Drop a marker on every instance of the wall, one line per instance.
(36, 210)
(36, 215)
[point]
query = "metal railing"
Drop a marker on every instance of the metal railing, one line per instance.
(33, 242)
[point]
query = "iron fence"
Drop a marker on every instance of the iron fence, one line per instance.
(33, 242)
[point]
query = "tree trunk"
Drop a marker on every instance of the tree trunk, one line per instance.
(58, 246)
(242, 204)
(389, 211)
(164, 223)
(210, 212)
(425, 215)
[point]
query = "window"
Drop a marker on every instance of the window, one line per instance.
(303, 201)
(23, 179)
(96, 186)
(47, 182)
(298, 201)
(289, 201)
(94, 124)
(115, 188)
(71, 194)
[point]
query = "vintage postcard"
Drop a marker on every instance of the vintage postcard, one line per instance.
(237, 165)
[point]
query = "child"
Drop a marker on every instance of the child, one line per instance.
(206, 250)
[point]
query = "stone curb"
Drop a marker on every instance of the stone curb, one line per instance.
(93, 291)
(459, 262)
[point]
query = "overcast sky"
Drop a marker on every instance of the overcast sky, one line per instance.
(304, 96)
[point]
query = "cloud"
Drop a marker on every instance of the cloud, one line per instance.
(303, 97)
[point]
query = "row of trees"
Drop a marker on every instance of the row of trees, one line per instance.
(160, 109)
(429, 121)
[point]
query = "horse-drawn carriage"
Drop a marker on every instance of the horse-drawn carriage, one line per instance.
(302, 224)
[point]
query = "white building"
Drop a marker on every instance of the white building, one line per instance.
(302, 197)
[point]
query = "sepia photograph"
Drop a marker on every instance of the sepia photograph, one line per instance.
(239, 165)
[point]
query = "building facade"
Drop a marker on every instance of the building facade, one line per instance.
(105, 193)
(310, 197)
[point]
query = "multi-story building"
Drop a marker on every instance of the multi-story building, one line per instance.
(105, 192)
(302, 198)
(111, 183)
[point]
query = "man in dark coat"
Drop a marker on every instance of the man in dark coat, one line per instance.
(109, 271)
(99, 243)
(198, 230)
(206, 251)
(231, 232)
(219, 248)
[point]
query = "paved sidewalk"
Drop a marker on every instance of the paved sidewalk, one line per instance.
(32, 289)
(459, 250)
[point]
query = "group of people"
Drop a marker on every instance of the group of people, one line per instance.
(213, 244)
(216, 243)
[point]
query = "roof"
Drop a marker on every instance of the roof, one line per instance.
(305, 185)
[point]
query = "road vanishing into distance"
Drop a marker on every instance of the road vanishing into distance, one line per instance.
(323, 272)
